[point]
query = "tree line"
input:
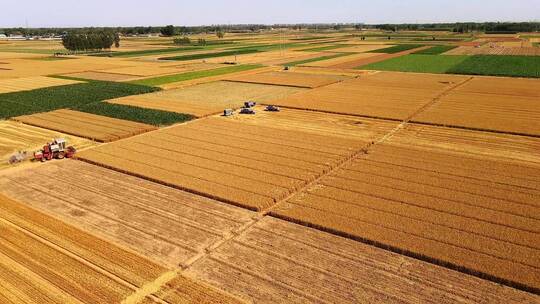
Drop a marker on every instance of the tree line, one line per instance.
(185, 30)
(90, 42)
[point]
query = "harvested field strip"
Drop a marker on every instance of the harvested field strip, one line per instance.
(397, 48)
(432, 206)
(486, 144)
(298, 62)
(302, 80)
(208, 98)
(31, 83)
(95, 127)
(369, 60)
(164, 224)
(295, 264)
(58, 257)
(212, 173)
(150, 52)
(212, 55)
(194, 75)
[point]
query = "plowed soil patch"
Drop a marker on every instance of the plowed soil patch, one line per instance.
(250, 166)
(209, 98)
(95, 127)
(293, 79)
(164, 224)
(279, 262)
(373, 59)
(46, 261)
(31, 83)
(474, 215)
(380, 95)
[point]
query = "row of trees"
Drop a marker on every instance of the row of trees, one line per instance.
(184, 30)
(92, 42)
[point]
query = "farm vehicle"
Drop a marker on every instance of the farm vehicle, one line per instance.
(56, 149)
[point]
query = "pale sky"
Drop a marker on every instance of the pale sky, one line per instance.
(73, 13)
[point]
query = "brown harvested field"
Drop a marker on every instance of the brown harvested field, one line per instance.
(102, 76)
(166, 225)
(32, 83)
(16, 137)
(327, 71)
(94, 127)
(44, 261)
(476, 215)
(500, 105)
(373, 59)
(487, 144)
(207, 98)
(293, 79)
(328, 63)
(242, 164)
(142, 70)
(381, 95)
(344, 126)
(279, 262)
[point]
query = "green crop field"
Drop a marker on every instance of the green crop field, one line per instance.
(397, 48)
(326, 48)
(293, 63)
(494, 65)
(436, 50)
(143, 115)
(497, 65)
(68, 96)
(194, 75)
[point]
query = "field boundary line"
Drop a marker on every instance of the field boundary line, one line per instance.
(148, 289)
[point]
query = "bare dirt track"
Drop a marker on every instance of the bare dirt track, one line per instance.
(46, 261)
(208, 98)
(293, 79)
(247, 165)
(492, 104)
(31, 83)
(279, 262)
(380, 95)
(166, 225)
(91, 126)
(466, 213)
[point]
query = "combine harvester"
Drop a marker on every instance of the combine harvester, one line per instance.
(54, 150)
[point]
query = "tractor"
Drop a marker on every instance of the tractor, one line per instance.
(54, 150)
(272, 108)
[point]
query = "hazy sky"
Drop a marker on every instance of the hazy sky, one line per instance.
(161, 12)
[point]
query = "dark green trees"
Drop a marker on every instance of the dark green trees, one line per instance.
(90, 42)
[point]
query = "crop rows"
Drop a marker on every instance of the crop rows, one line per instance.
(382, 95)
(508, 107)
(177, 156)
(275, 261)
(95, 127)
(293, 79)
(46, 261)
(434, 206)
(31, 83)
(164, 224)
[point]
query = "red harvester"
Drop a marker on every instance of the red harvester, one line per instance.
(55, 150)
